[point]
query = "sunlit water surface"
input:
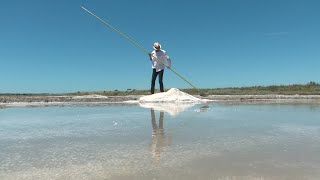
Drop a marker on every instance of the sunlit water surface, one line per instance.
(212, 141)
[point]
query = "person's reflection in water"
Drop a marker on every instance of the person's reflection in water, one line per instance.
(159, 140)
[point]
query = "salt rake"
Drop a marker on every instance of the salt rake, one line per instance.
(142, 48)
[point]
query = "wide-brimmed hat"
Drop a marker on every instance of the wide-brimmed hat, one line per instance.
(156, 46)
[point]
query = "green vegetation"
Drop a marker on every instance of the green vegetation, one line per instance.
(311, 88)
(113, 93)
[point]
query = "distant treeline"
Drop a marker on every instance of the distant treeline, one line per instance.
(311, 88)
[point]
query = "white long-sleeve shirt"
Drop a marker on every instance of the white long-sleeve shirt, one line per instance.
(161, 56)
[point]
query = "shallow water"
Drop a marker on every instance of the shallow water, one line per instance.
(212, 141)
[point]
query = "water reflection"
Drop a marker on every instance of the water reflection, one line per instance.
(159, 141)
(172, 108)
(203, 108)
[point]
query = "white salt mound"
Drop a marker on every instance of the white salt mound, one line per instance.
(173, 95)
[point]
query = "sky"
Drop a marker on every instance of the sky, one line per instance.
(54, 46)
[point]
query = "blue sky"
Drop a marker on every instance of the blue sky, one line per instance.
(55, 46)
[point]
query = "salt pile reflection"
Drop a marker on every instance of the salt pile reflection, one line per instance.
(173, 109)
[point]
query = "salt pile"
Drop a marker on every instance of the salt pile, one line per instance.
(173, 95)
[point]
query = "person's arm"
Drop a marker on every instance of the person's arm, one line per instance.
(150, 56)
(169, 60)
(169, 63)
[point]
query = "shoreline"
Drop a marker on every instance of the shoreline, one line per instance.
(7, 101)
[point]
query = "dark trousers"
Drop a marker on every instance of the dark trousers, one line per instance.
(153, 80)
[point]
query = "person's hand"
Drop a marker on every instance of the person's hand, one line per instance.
(150, 56)
(168, 66)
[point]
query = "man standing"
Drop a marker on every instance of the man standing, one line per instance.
(158, 57)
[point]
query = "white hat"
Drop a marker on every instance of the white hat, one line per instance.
(156, 46)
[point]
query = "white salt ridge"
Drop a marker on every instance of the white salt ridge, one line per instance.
(173, 95)
(95, 96)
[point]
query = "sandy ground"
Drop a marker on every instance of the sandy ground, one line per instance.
(16, 100)
(99, 98)
(47, 99)
(173, 95)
